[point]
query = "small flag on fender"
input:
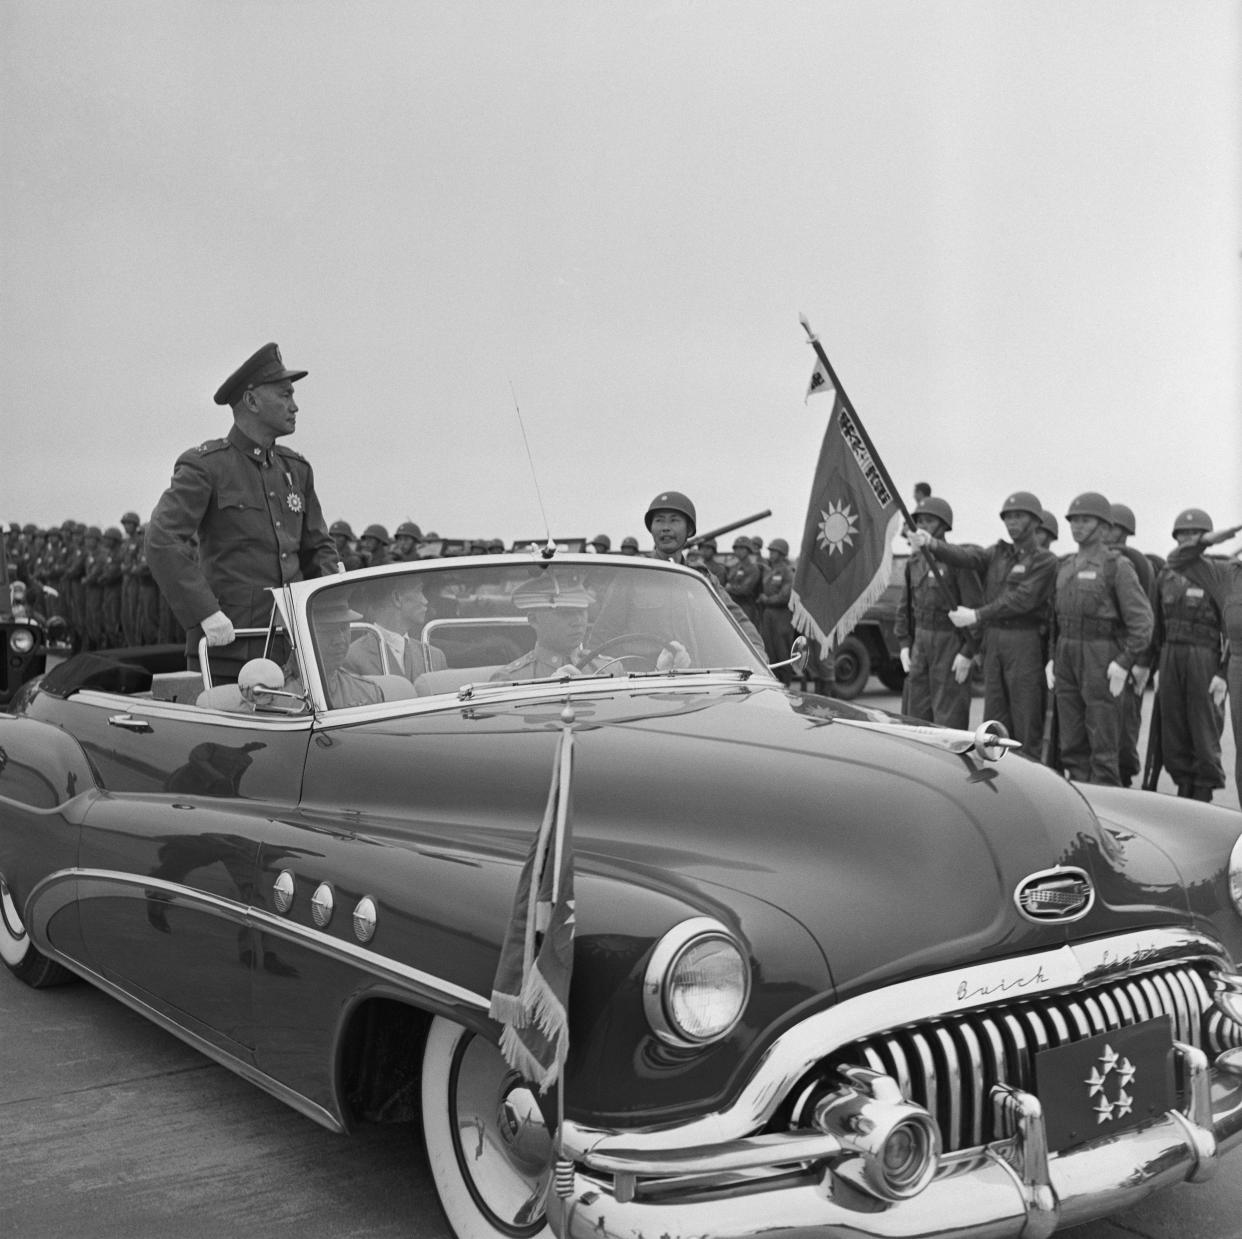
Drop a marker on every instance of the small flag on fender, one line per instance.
(852, 518)
(530, 994)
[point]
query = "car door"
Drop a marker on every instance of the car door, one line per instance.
(168, 857)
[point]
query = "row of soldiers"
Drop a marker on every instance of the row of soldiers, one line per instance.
(1069, 643)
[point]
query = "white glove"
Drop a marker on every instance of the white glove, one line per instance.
(1050, 675)
(905, 659)
(568, 669)
(1217, 690)
(673, 657)
(919, 538)
(963, 617)
(961, 668)
(1140, 675)
(218, 629)
(1116, 678)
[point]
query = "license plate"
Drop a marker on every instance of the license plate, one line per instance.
(1091, 1089)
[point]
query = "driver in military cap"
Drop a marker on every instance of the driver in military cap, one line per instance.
(251, 505)
(557, 611)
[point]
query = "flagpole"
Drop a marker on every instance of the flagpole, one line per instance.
(866, 438)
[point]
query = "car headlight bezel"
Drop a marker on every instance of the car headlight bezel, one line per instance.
(699, 945)
(22, 640)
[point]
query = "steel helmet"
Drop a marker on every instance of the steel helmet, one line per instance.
(1091, 503)
(1048, 522)
(602, 542)
(779, 544)
(933, 505)
(671, 501)
(378, 532)
(341, 528)
(1192, 520)
(630, 540)
(1123, 516)
(113, 534)
(1023, 501)
(743, 543)
(408, 529)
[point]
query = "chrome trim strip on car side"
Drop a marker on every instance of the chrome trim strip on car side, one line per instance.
(181, 712)
(797, 1051)
(280, 926)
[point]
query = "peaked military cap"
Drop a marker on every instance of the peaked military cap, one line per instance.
(265, 366)
(547, 591)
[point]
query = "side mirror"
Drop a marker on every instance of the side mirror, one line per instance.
(801, 650)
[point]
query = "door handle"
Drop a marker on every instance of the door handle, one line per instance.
(129, 722)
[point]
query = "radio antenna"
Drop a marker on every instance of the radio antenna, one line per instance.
(550, 549)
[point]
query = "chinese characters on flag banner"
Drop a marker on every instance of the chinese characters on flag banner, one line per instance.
(852, 519)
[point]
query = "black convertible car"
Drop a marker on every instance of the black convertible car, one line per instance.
(834, 973)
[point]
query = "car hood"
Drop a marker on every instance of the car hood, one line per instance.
(898, 856)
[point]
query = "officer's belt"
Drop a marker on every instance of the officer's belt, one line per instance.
(1187, 634)
(933, 619)
(1088, 627)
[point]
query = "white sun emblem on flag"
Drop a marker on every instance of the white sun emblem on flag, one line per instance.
(837, 528)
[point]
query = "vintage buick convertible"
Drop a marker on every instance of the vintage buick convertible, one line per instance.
(833, 974)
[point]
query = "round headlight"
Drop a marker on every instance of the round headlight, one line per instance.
(697, 983)
(21, 640)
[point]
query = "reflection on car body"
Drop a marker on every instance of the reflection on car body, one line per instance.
(833, 973)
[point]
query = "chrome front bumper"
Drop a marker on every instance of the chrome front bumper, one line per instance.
(798, 1184)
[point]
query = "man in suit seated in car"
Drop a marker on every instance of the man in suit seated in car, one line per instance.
(397, 606)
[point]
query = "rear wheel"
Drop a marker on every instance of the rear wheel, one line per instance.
(20, 956)
(489, 1149)
(853, 668)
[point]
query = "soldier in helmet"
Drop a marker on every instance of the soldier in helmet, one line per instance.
(406, 542)
(601, 544)
(373, 546)
(1047, 532)
(1130, 703)
(745, 579)
(241, 515)
(629, 545)
(1018, 578)
(92, 582)
(936, 654)
(775, 620)
(1102, 623)
(1194, 660)
(1222, 580)
(131, 626)
(343, 537)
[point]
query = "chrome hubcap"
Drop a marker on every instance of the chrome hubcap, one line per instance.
(13, 940)
(504, 1147)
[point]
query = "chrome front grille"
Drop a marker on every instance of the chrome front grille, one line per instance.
(950, 1065)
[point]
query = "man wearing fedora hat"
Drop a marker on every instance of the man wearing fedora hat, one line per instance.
(250, 505)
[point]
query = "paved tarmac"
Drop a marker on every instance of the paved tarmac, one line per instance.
(111, 1128)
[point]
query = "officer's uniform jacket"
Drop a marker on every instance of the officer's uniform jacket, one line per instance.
(258, 523)
(540, 663)
(1017, 581)
(926, 601)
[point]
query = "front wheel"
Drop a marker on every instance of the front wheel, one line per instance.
(20, 955)
(489, 1149)
(853, 668)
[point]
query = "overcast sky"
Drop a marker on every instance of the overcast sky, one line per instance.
(1015, 227)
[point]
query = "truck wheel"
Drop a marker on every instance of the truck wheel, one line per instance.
(853, 668)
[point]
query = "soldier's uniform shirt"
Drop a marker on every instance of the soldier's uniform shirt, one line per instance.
(744, 582)
(775, 619)
(1101, 615)
(258, 524)
(1017, 588)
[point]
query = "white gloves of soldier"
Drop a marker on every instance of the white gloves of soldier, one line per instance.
(1116, 678)
(1217, 690)
(673, 657)
(963, 617)
(1050, 675)
(961, 668)
(218, 629)
(1140, 675)
(905, 659)
(919, 538)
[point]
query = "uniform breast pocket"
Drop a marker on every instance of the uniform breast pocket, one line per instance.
(234, 498)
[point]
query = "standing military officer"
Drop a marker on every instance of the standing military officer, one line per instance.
(1018, 577)
(936, 654)
(1193, 665)
(252, 507)
(1130, 703)
(1102, 622)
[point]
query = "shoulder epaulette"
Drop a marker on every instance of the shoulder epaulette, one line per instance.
(211, 445)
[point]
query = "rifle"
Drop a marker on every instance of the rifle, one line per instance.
(1154, 761)
(712, 534)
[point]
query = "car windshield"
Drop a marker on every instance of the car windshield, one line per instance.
(438, 628)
